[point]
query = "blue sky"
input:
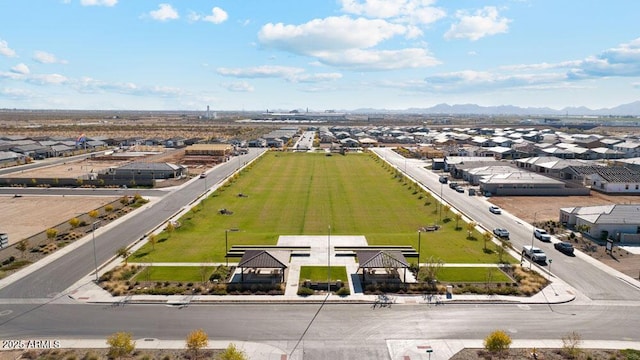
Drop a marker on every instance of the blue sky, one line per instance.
(317, 54)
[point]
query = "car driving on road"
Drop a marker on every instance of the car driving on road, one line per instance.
(494, 209)
(564, 247)
(541, 234)
(501, 233)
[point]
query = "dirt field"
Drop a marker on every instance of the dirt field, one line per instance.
(28, 215)
(548, 207)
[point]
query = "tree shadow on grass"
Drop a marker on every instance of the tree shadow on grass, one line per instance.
(141, 254)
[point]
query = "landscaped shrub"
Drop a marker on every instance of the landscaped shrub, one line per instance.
(497, 342)
(305, 291)
(343, 291)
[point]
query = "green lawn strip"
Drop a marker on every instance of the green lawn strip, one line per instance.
(472, 274)
(304, 194)
(319, 273)
(175, 273)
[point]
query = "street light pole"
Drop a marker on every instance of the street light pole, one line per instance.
(329, 262)
(226, 246)
(535, 214)
(419, 247)
(441, 203)
(93, 238)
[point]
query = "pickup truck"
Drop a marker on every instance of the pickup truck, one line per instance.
(534, 253)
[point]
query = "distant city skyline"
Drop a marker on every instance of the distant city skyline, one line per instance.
(256, 55)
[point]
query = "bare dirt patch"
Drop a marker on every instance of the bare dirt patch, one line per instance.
(28, 215)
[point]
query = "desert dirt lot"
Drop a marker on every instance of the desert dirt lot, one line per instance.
(548, 208)
(28, 215)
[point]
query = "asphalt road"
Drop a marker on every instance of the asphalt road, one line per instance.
(595, 282)
(339, 331)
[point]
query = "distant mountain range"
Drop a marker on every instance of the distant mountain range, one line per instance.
(631, 109)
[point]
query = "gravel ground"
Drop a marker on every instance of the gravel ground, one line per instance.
(546, 354)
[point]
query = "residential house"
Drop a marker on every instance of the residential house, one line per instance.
(620, 222)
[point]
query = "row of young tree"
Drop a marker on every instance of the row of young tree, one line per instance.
(121, 345)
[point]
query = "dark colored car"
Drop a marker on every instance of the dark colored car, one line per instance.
(564, 247)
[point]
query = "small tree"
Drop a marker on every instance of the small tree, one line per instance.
(197, 340)
(170, 227)
(446, 210)
(470, 227)
(120, 345)
(429, 271)
(232, 353)
(458, 217)
(497, 342)
(22, 246)
(52, 233)
(124, 252)
(501, 249)
(108, 208)
(570, 344)
(153, 239)
(486, 236)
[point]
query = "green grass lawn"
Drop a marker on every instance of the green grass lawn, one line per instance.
(175, 273)
(472, 274)
(303, 194)
(319, 273)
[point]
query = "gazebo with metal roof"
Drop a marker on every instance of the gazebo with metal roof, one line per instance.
(370, 260)
(263, 265)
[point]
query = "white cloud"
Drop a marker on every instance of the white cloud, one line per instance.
(332, 33)
(11, 75)
(291, 74)
(344, 42)
(540, 66)
(409, 11)
(90, 85)
(98, 2)
(47, 79)
(239, 86)
(47, 58)
(483, 22)
(470, 80)
(375, 60)
(15, 94)
(20, 69)
(266, 71)
(165, 12)
(319, 77)
(623, 60)
(6, 50)
(217, 16)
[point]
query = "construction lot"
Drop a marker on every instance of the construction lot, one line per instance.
(28, 215)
